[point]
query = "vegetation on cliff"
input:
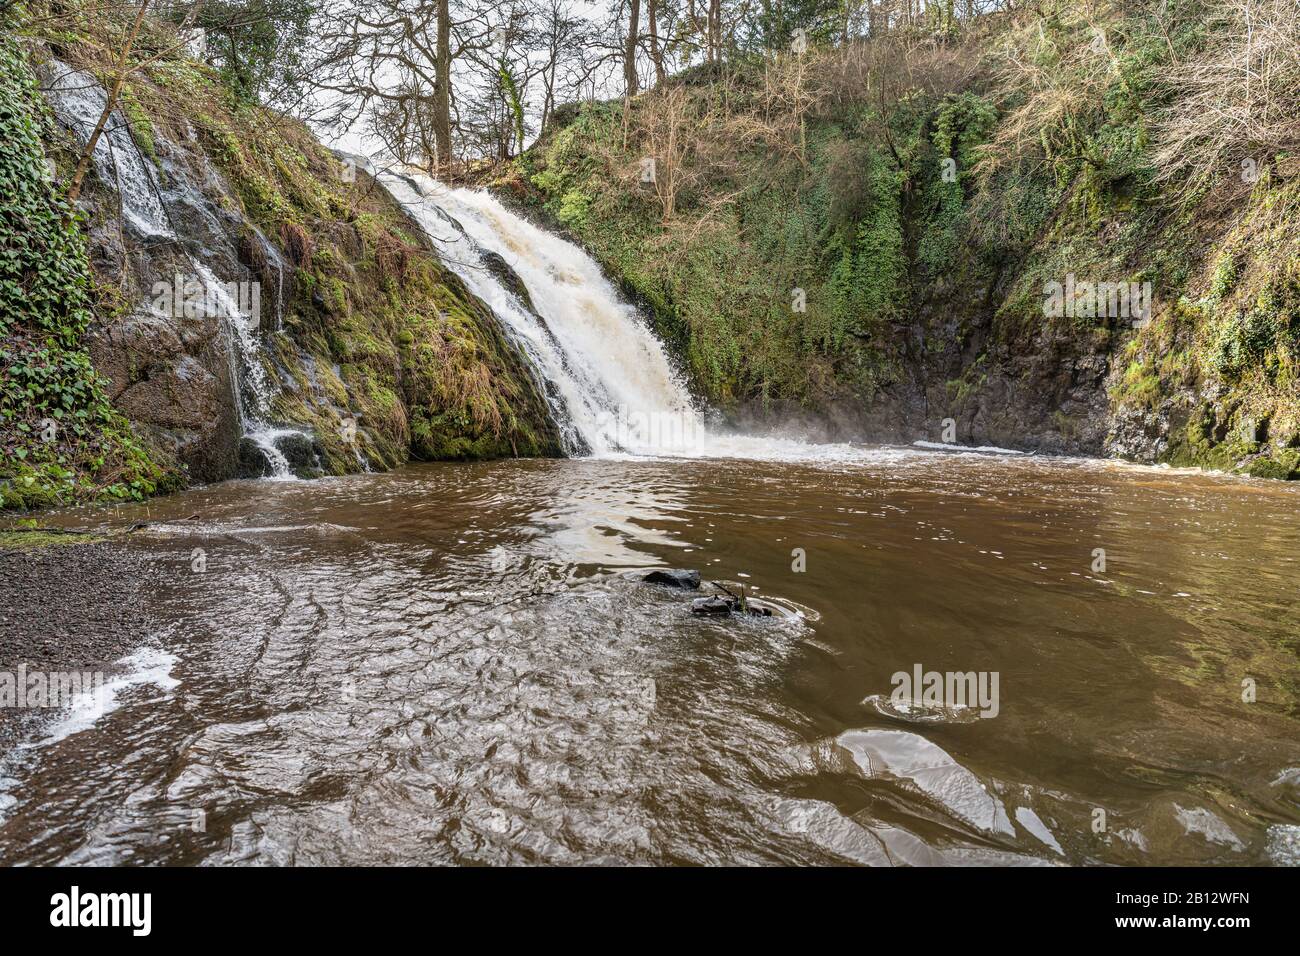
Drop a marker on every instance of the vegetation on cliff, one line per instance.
(60, 438)
(830, 226)
(378, 351)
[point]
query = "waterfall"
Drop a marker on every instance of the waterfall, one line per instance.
(607, 378)
(253, 388)
(610, 384)
(78, 100)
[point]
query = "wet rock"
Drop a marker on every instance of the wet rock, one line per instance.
(173, 386)
(728, 605)
(253, 462)
(299, 451)
(674, 578)
(712, 605)
(498, 266)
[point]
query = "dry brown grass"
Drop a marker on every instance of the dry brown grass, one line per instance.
(888, 67)
(297, 243)
(776, 116)
(393, 257)
(1051, 80)
(1237, 101)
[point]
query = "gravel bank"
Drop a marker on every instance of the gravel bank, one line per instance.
(66, 607)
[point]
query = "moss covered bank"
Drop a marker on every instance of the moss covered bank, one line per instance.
(861, 240)
(367, 343)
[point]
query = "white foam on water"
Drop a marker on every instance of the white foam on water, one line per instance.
(1283, 844)
(149, 666)
(1031, 821)
(981, 449)
(611, 386)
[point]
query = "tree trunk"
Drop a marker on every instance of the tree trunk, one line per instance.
(715, 31)
(629, 51)
(652, 17)
(110, 101)
(442, 92)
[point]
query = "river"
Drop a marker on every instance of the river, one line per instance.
(458, 663)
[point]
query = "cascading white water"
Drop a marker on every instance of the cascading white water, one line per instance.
(253, 389)
(609, 381)
(78, 101)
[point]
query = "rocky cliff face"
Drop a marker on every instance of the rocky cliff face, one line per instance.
(952, 378)
(254, 304)
(152, 223)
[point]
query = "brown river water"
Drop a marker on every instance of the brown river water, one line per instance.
(456, 663)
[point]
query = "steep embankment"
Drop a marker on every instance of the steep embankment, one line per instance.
(865, 240)
(59, 436)
(222, 275)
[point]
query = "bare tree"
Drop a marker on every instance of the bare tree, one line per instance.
(630, 83)
(665, 118)
(392, 60)
(656, 54)
(563, 44)
(1234, 105)
(124, 69)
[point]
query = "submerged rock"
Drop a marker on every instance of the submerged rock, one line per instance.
(711, 605)
(674, 578)
(726, 605)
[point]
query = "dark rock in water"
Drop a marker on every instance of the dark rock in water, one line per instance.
(712, 605)
(300, 451)
(253, 462)
(686, 580)
(729, 605)
(497, 265)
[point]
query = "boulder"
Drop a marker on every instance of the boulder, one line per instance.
(253, 462)
(299, 451)
(712, 605)
(673, 578)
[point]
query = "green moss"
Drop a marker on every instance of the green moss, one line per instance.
(1050, 178)
(141, 127)
(61, 440)
(961, 126)
(1283, 464)
(33, 540)
(1139, 386)
(1225, 277)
